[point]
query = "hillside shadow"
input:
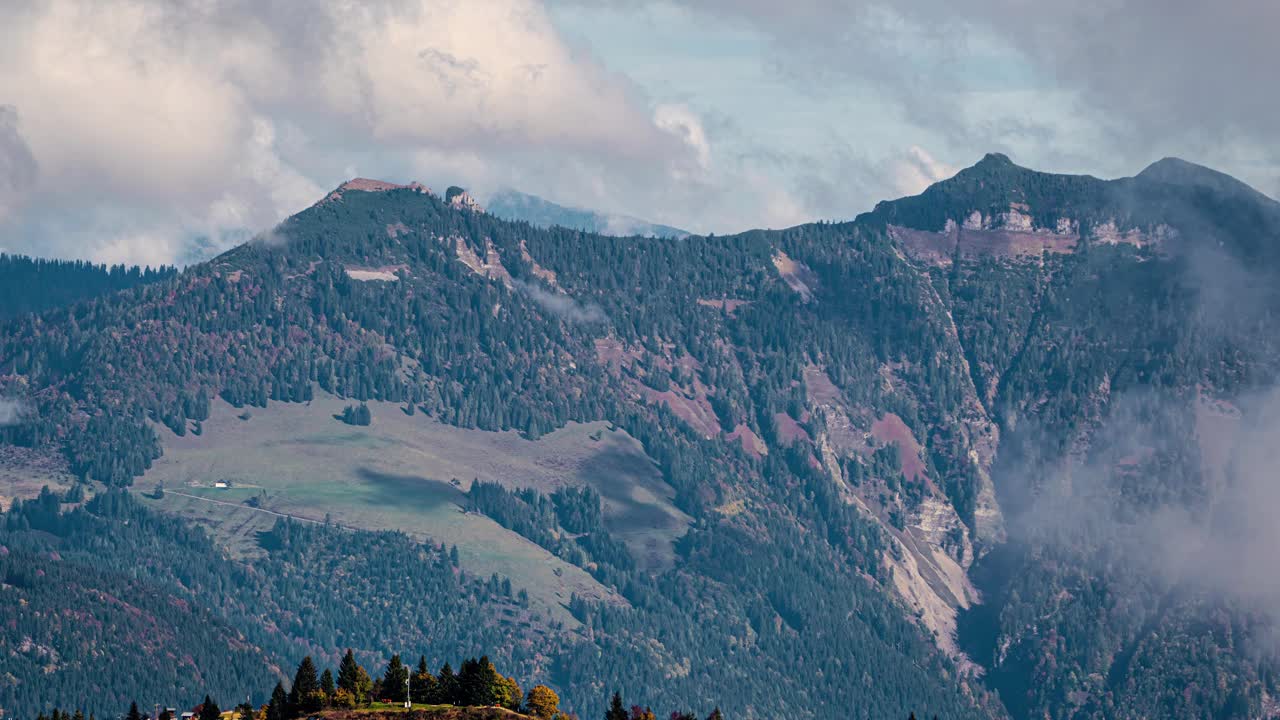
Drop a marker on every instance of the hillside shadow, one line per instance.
(613, 473)
(410, 491)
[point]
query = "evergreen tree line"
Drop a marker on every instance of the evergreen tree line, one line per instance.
(33, 285)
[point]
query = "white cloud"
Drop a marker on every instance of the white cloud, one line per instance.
(917, 170)
(11, 411)
(684, 124)
(156, 121)
(18, 168)
(562, 306)
(1101, 87)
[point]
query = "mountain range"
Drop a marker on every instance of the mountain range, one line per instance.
(1000, 449)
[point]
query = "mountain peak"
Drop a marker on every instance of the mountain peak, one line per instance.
(995, 159)
(1176, 171)
(991, 165)
(369, 185)
(361, 184)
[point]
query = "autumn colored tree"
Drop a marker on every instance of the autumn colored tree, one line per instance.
(425, 688)
(642, 713)
(507, 693)
(542, 702)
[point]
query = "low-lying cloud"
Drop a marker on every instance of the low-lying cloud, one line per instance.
(562, 306)
(1178, 494)
(12, 411)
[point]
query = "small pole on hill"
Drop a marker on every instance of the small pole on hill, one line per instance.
(408, 699)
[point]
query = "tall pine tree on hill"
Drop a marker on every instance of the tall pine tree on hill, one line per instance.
(393, 680)
(305, 696)
(278, 706)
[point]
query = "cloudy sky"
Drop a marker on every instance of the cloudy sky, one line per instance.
(158, 131)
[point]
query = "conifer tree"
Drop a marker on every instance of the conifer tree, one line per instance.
(348, 673)
(448, 683)
(616, 711)
(327, 685)
(425, 687)
(133, 713)
(209, 709)
(305, 695)
(278, 706)
(469, 683)
(490, 688)
(393, 680)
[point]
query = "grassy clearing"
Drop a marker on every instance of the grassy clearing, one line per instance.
(23, 472)
(410, 474)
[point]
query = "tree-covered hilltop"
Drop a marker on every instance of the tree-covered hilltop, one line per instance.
(858, 430)
(32, 285)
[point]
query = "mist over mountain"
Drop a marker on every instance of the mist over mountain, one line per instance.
(515, 205)
(997, 450)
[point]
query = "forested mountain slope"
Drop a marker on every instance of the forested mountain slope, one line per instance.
(872, 426)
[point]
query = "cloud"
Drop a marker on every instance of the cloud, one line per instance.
(1139, 511)
(154, 122)
(1103, 86)
(12, 411)
(18, 169)
(562, 306)
(917, 170)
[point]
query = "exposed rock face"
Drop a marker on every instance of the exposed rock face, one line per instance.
(490, 266)
(975, 239)
(547, 276)
(751, 443)
(384, 274)
(796, 274)
(933, 548)
(461, 199)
